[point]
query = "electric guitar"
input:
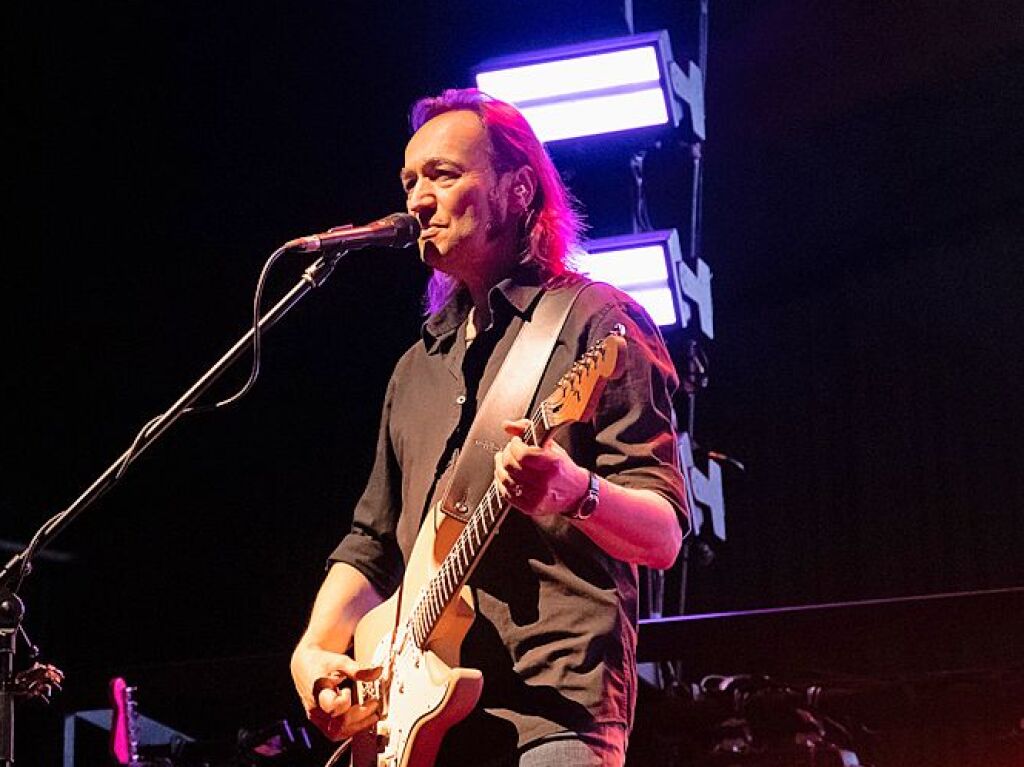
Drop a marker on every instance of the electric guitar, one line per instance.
(124, 724)
(416, 635)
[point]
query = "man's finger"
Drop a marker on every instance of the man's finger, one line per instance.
(515, 451)
(505, 466)
(349, 667)
(366, 673)
(357, 716)
(335, 702)
(516, 428)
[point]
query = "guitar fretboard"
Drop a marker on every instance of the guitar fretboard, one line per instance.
(466, 551)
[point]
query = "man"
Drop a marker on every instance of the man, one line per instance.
(556, 593)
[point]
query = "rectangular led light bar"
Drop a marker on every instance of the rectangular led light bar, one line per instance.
(604, 86)
(643, 265)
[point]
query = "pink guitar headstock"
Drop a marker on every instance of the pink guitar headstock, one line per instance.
(124, 741)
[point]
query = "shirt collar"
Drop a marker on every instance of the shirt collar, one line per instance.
(516, 294)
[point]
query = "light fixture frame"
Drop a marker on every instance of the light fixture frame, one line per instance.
(668, 240)
(658, 40)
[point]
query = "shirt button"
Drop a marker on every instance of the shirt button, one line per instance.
(460, 400)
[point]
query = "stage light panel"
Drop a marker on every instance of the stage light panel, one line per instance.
(642, 265)
(605, 86)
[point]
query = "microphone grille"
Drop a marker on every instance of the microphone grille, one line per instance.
(406, 226)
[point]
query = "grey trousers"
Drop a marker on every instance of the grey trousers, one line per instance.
(606, 748)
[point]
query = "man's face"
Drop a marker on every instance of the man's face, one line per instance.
(452, 189)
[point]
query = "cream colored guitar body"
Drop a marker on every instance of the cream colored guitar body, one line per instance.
(423, 693)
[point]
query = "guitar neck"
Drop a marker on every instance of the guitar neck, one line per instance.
(465, 553)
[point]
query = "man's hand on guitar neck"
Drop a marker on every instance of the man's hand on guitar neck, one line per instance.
(537, 480)
(631, 524)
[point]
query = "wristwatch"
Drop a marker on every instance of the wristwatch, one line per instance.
(588, 503)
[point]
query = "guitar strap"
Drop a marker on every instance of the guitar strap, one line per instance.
(509, 397)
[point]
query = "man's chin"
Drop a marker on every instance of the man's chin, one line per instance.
(430, 254)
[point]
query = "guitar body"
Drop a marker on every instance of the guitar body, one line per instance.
(424, 693)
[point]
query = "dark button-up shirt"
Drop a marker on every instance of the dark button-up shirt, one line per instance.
(555, 631)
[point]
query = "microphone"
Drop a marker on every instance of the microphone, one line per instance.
(399, 230)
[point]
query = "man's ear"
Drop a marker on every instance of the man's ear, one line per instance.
(523, 189)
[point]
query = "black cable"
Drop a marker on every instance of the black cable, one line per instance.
(641, 216)
(702, 41)
(257, 340)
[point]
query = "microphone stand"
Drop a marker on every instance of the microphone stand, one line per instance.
(12, 608)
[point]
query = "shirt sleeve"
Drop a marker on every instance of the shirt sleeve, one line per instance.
(634, 427)
(371, 546)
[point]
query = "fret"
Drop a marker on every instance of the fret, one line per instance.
(453, 581)
(439, 600)
(448, 586)
(489, 510)
(417, 632)
(540, 426)
(455, 560)
(445, 580)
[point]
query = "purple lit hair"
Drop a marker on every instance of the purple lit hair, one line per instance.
(551, 226)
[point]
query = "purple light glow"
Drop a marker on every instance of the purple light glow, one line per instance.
(641, 272)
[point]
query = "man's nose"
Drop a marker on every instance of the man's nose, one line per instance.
(421, 197)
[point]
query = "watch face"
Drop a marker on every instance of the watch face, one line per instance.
(587, 506)
(589, 502)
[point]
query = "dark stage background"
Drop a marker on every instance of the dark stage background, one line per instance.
(863, 220)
